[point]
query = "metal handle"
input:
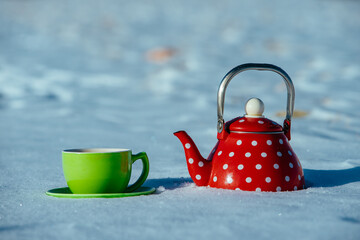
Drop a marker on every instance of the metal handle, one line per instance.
(261, 67)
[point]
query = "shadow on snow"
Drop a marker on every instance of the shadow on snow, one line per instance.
(331, 178)
(169, 183)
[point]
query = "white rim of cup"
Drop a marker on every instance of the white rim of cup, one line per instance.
(96, 150)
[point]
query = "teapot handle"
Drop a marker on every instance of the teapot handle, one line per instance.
(261, 67)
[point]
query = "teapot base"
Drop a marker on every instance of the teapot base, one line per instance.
(274, 188)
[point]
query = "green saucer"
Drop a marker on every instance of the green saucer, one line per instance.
(66, 193)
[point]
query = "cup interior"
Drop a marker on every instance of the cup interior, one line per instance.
(96, 150)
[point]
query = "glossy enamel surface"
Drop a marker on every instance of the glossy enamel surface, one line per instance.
(256, 162)
(254, 159)
(253, 124)
(90, 171)
(252, 153)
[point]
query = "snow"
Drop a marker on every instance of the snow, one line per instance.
(77, 74)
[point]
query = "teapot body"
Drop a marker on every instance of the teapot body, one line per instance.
(256, 162)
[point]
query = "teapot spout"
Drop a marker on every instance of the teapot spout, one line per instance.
(199, 168)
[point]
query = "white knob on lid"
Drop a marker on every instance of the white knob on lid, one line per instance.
(254, 107)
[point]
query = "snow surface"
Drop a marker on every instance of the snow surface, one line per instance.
(76, 74)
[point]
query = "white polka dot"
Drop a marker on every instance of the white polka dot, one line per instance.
(225, 166)
(187, 145)
(215, 179)
(299, 177)
(281, 141)
(278, 189)
(238, 142)
(279, 154)
(241, 167)
(263, 154)
(248, 179)
(191, 161)
(237, 189)
(242, 120)
(298, 163)
(268, 142)
(261, 122)
(276, 166)
(201, 164)
(198, 177)
(258, 189)
(258, 166)
(254, 143)
(290, 153)
(287, 178)
(229, 179)
(219, 153)
(291, 165)
(247, 154)
(231, 154)
(295, 188)
(268, 179)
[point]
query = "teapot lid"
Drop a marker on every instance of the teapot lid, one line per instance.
(254, 121)
(253, 124)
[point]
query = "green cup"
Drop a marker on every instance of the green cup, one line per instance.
(102, 170)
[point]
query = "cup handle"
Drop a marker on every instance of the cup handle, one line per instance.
(145, 171)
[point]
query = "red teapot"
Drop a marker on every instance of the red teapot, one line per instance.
(252, 153)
